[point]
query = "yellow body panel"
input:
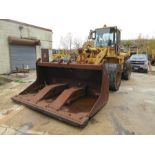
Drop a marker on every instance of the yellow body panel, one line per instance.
(96, 55)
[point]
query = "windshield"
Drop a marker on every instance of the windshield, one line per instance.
(103, 37)
(138, 57)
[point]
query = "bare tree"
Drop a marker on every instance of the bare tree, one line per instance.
(70, 39)
(63, 43)
(141, 42)
(66, 42)
(77, 43)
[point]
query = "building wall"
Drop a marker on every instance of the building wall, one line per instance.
(12, 29)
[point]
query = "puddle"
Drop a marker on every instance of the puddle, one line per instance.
(119, 128)
(24, 128)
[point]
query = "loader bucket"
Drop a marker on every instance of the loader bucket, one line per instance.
(70, 92)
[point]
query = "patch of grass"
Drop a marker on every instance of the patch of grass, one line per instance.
(19, 81)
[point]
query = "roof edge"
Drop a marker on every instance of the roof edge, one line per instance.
(17, 22)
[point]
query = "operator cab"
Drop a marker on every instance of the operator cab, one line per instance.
(106, 36)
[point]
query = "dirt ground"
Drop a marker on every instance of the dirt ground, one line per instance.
(131, 110)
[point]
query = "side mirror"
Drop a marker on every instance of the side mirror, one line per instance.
(92, 35)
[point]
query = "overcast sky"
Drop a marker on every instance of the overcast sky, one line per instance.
(79, 16)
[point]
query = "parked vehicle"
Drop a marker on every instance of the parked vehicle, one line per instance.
(139, 62)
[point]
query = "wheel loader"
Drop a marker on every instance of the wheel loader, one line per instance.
(73, 91)
(104, 44)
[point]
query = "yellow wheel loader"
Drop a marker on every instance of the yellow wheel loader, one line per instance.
(73, 91)
(106, 46)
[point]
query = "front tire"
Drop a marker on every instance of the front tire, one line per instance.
(114, 72)
(115, 81)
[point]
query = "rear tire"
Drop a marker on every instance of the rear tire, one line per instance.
(126, 76)
(146, 71)
(126, 71)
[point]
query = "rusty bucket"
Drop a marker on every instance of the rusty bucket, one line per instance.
(70, 92)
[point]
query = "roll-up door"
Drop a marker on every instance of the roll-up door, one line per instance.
(22, 55)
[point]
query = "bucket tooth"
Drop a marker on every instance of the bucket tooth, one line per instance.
(67, 96)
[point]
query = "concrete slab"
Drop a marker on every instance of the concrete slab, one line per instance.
(131, 110)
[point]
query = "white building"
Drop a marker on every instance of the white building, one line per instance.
(21, 44)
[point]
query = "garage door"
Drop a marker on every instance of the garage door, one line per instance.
(22, 55)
